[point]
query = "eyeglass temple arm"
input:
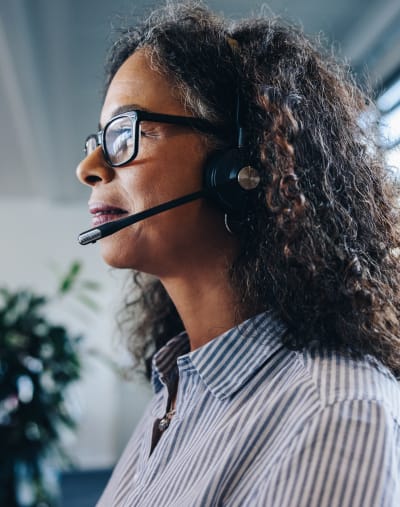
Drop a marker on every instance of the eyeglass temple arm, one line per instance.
(198, 123)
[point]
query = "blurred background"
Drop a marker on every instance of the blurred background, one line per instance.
(51, 78)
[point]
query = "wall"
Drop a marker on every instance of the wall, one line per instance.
(38, 238)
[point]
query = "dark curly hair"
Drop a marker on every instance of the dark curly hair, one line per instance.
(321, 248)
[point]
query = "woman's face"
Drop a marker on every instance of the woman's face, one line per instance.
(169, 164)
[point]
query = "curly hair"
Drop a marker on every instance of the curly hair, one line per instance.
(321, 248)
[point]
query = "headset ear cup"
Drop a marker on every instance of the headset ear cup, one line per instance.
(229, 180)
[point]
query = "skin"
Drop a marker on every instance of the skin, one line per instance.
(187, 248)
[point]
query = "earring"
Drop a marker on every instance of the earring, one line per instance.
(235, 225)
(227, 226)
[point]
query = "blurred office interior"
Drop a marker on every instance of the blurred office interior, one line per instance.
(51, 72)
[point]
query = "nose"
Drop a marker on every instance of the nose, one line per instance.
(94, 169)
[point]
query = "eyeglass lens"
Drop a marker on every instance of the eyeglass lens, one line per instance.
(119, 140)
(90, 145)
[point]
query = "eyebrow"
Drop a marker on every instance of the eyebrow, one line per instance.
(123, 109)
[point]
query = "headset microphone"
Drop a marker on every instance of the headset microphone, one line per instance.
(228, 178)
(92, 235)
(227, 181)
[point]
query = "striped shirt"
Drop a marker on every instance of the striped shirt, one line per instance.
(258, 424)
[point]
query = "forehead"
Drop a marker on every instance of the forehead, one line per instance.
(137, 83)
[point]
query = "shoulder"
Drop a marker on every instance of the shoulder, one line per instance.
(346, 452)
(339, 378)
(317, 387)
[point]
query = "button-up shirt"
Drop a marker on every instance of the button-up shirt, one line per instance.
(259, 424)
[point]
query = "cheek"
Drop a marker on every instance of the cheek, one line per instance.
(154, 180)
(182, 167)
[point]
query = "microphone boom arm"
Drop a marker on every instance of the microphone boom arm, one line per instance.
(96, 233)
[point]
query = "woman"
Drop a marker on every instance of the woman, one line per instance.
(273, 305)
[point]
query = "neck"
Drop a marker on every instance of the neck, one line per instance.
(206, 302)
(206, 312)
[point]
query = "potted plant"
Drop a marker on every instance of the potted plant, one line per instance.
(39, 360)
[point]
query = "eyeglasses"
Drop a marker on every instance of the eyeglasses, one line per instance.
(120, 137)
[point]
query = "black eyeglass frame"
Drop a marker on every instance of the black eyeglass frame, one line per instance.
(136, 116)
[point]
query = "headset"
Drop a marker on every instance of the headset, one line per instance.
(228, 175)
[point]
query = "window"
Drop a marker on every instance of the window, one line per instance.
(389, 106)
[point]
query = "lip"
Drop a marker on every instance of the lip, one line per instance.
(103, 213)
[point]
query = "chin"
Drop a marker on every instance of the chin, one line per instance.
(117, 258)
(120, 250)
(114, 254)
(116, 263)
(125, 258)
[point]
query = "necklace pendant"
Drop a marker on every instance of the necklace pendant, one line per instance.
(163, 424)
(165, 421)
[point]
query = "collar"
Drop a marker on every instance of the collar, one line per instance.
(228, 361)
(164, 364)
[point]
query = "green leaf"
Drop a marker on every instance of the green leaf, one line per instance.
(68, 281)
